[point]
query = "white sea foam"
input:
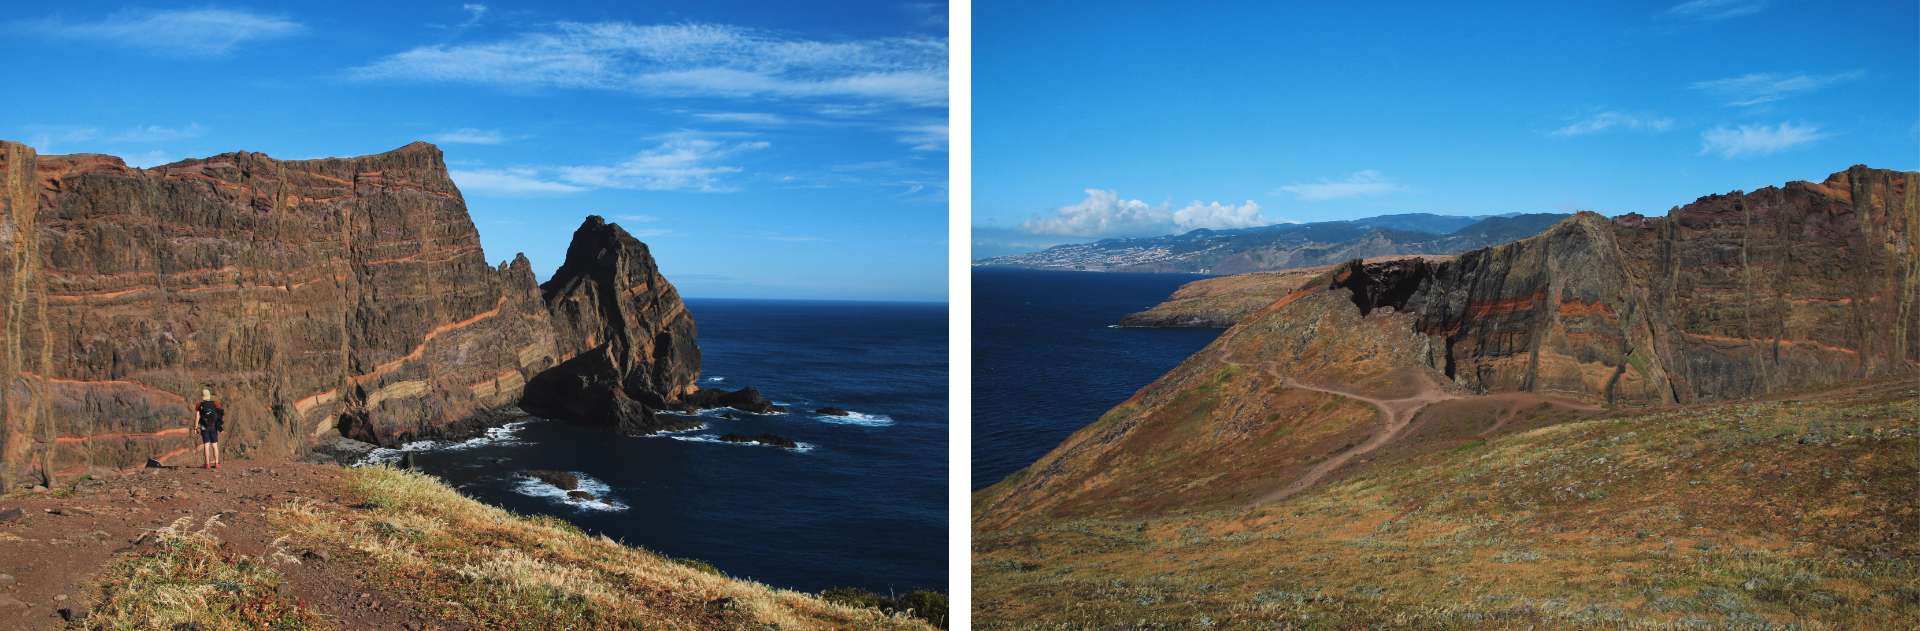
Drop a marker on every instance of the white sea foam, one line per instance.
(716, 379)
(503, 435)
(856, 418)
(710, 438)
(722, 411)
(702, 426)
(603, 494)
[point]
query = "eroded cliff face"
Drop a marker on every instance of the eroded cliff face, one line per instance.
(625, 341)
(1731, 296)
(311, 296)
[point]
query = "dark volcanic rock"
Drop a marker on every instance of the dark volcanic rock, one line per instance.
(764, 439)
(580, 495)
(560, 479)
(744, 399)
(830, 411)
(338, 450)
(625, 339)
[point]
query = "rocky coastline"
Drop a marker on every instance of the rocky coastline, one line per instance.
(315, 298)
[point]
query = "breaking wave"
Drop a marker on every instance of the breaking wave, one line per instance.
(503, 435)
(602, 494)
(856, 418)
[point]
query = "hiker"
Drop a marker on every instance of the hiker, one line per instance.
(212, 420)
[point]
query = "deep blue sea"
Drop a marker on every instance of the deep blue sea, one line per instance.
(1047, 360)
(862, 505)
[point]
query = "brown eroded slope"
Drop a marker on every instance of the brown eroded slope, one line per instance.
(1797, 510)
(1634, 311)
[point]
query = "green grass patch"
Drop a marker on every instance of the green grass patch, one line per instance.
(1477, 442)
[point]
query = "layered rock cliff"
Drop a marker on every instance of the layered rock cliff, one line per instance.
(1731, 296)
(311, 296)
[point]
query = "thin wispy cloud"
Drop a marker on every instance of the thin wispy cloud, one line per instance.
(156, 133)
(43, 138)
(1360, 184)
(1749, 140)
(149, 159)
(693, 60)
(1105, 214)
(931, 137)
(1616, 121)
(475, 12)
(650, 232)
(677, 164)
(509, 182)
(1758, 88)
(760, 118)
(178, 33)
(1715, 10)
(637, 217)
(471, 136)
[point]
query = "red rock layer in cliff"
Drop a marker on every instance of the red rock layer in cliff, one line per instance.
(310, 296)
(1730, 296)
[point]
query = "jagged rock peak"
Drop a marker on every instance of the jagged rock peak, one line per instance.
(625, 340)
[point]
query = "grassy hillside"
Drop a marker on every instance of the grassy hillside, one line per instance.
(1793, 513)
(453, 561)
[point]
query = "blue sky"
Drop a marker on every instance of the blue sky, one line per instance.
(761, 149)
(1101, 119)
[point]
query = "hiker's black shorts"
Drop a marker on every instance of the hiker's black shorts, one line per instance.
(209, 436)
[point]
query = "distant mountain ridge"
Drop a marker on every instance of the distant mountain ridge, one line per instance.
(1287, 246)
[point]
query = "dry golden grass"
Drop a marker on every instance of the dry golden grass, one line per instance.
(1781, 515)
(188, 577)
(465, 561)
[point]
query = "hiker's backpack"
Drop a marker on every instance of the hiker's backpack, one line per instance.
(212, 416)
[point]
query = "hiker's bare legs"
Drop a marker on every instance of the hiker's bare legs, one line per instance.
(216, 452)
(206, 453)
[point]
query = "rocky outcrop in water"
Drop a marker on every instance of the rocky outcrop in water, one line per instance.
(314, 297)
(625, 341)
(744, 399)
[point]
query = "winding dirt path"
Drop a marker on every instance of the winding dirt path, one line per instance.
(1395, 416)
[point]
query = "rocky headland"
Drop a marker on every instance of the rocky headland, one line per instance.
(1748, 360)
(314, 298)
(1220, 302)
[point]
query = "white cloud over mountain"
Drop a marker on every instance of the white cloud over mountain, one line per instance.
(1104, 214)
